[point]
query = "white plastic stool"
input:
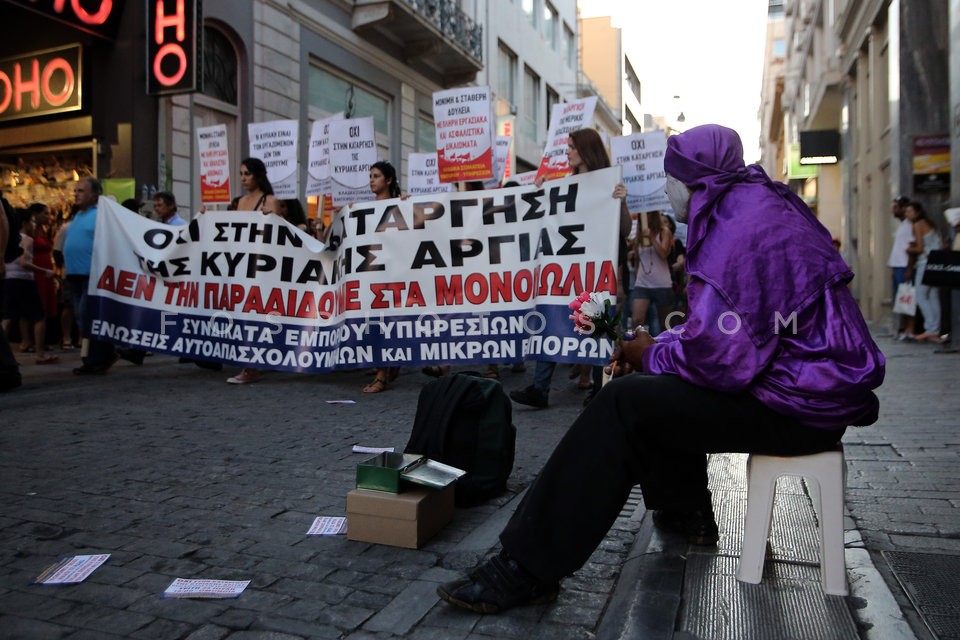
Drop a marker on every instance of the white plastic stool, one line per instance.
(826, 479)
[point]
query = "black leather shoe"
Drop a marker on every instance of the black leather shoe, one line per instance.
(699, 526)
(531, 396)
(132, 355)
(98, 368)
(498, 584)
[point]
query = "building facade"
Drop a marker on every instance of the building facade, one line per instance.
(871, 76)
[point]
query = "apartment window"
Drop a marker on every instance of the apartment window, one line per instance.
(569, 47)
(779, 48)
(552, 98)
(331, 93)
(426, 133)
(507, 74)
(550, 21)
(530, 10)
(530, 112)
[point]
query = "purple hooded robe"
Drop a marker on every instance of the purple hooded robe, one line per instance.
(769, 310)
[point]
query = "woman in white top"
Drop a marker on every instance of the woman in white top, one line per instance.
(926, 239)
(654, 283)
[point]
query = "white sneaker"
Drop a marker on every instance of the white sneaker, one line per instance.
(246, 377)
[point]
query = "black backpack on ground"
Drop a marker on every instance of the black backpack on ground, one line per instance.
(465, 421)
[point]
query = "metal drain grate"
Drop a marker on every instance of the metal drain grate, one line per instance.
(932, 582)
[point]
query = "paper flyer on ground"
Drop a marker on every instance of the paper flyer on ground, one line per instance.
(187, 588)
(328, 526)
(71, 569)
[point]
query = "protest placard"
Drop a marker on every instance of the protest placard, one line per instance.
(464, 134)
(565, 118)
(501, 155)
(318, 157)
(214, 164)
(353, 148)
(422, 175)
(641, 156)
(275, 143)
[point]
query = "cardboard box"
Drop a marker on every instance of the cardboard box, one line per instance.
(405, 519)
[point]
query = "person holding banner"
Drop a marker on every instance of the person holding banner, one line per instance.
(78, 256)
(585, 152)
(259, 197)
(734, 378)
(384, 185)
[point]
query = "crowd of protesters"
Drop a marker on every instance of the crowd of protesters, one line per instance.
(40, 307)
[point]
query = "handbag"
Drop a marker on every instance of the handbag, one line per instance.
(943, 269)
(905, 302)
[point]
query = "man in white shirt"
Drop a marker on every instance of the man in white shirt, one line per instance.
(901, 262)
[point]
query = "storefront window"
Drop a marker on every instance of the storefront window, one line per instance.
(332, 94)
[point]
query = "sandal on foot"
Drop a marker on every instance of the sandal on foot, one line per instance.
(433, 371)
(47, 359)
(490, 373)
(376, 386)
(26, 349)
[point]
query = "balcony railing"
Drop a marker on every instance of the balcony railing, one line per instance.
(434, 36)
(452, 22)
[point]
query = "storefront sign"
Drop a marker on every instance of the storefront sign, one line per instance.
(99, 17)
(40, 83)
(173, 51)
(931, 163)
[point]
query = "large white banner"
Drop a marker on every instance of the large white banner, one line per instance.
(641, 156)
(471, 277)
(318, 158)
(275, 143)
(353, 148)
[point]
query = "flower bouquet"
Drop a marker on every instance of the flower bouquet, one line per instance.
(595, 315)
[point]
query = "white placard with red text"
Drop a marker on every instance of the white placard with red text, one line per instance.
(214, 164)
(565, 118)
(464, 134)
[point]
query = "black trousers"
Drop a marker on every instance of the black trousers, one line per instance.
(654, 431)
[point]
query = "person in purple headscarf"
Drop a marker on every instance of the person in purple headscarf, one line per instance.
(774, 357)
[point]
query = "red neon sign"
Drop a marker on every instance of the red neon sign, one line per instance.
(100, 17)
(40, 83)
(172, 46)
